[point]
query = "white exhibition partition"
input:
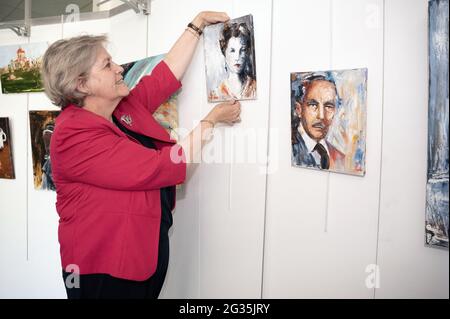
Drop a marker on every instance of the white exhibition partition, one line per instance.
(239, 232)
(408, 268)
(322, 226)
(217, 237)
(13, 193)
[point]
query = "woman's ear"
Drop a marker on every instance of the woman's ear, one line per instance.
(82, 86)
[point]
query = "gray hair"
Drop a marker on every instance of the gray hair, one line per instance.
(64, 63)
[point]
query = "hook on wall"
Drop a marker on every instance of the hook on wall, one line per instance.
(21, 30)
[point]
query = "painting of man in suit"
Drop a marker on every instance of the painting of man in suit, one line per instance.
(323, 120)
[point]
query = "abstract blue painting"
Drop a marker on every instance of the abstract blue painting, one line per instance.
(436, 221)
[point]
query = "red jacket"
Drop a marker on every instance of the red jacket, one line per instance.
(108, 185)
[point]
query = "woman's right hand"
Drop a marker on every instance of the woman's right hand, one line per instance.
(227, 112)
(205, 18)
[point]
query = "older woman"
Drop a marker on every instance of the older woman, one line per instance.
(237, 48)
(115, 169)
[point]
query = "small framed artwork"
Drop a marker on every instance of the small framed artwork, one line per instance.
(6, 156)
(328, 120)
(20, 67)
(230, 60)
(42, 125)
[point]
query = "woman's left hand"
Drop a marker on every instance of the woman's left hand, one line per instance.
(209, 17)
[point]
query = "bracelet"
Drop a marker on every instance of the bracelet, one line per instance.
(195, 28)
(192, 32)
(208, 121)
(211, 133)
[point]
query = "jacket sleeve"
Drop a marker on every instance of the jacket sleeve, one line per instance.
(154, 89)
(101, 158)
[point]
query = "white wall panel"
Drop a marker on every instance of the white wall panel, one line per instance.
(205, 199)
(320, 237)
(165, 26)
(44, 260)
(357, 42)
(232, 196)
(294, 264)
(13, 196)
(407, 268)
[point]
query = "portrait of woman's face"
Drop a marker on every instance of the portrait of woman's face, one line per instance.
(230, 60)
(236, 54)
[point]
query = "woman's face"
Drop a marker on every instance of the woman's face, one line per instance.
(105, 78)
(236, 54)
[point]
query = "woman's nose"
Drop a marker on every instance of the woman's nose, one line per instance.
(119, 68)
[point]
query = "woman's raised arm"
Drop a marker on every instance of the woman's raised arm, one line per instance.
(179, 57)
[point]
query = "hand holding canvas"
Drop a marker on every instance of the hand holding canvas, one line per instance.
(205, 18)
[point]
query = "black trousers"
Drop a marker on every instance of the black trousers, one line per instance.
(103, 286)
